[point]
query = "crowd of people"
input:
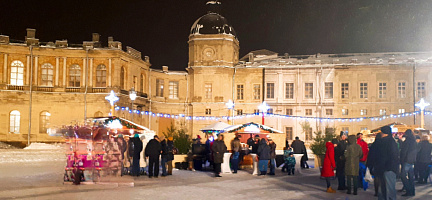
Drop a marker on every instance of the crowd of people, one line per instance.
(142, 158)
(386, 159)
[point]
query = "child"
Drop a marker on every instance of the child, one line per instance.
(291, 163)
(287, 151)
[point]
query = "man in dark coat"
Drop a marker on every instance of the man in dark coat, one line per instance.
(424, 159)
(387, 166)
(255, 144)
(164, 155)
(263, 156)
(340, 161)
(408, 154)
(218, 148)
(300, 148)
(371, 162)
(153, 151)
(272, 145)
(137, 148)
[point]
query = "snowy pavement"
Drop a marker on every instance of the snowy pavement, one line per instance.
(38, 174)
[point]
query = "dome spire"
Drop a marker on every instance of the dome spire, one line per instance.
(213, 6)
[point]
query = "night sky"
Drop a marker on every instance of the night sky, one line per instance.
(160, 28)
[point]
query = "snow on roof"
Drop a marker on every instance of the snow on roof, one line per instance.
(234, 127)
(218, 126)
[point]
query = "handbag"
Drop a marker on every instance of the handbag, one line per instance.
(368, 176)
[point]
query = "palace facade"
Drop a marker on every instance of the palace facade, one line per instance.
(47, 85)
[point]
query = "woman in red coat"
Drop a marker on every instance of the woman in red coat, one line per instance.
(329, 165)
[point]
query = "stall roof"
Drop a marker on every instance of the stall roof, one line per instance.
(260, 126)
(122, 121)
(218, 126)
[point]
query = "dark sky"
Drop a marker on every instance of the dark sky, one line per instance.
(160, 28)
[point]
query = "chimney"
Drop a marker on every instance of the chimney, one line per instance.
(4, 39)
(31, 33)
(286, 55)
(147, 59)
(95, 40)
(31, 37)
(110, 39)
(165, 68)
(61, 43)
(251, 57)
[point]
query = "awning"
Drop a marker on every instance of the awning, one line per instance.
(218, 126)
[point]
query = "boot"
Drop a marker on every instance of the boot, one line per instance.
(330, 190)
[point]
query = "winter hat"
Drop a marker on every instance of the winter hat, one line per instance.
(386, 130)
(335, 141)
(136, 135)
(417, 137)
(170, 138)
(120, 135)
(198, 137)
(256, 136)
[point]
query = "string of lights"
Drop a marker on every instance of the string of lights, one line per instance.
(322, 119)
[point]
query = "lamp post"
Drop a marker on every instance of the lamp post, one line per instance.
(422, 104)
(263, 107)
(132, 96)
(112, 98)
(230, 105)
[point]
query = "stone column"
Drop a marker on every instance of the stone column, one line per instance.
(109, 72)
(91, 73)
(36, 70)
(64, 72)
(83, 77)
(5, 71)
(57, 71)
(28, 71)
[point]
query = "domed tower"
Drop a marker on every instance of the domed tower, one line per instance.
(212, 41)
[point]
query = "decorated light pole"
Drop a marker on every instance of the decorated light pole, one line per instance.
(263, 107)
(112, 98)
(230, 105)
(132, 96)
(422, 104)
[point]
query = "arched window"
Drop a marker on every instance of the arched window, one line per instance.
(74, 76)
(122, 78)
(101, 76)
(47, 75)
(142, 83)
(44, 121)
(98, 114)
(17, 73)
(14, 124)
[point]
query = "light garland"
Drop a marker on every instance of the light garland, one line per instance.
(322, 119)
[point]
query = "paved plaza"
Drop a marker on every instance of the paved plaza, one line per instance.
(34, 174)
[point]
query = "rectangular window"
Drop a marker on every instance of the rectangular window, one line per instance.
(363, 90)
(329, 112)
(363, 128)
(308, 91)
(239, 112)
(344, 90)
(240, 90)
(270, 90)
(257, 91)
(383, 111)
(421, 89)
(289, 90)
(289, 133)
(382, 90)
(159, 87)
(208, 111)
(401, 110)
(344, 111)
(308, 111)
(308, 134)
(401, 90)
(173, 89)
(328, 90)
(363, 112)
(270, 111)
(208, 90)
(289, 111)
